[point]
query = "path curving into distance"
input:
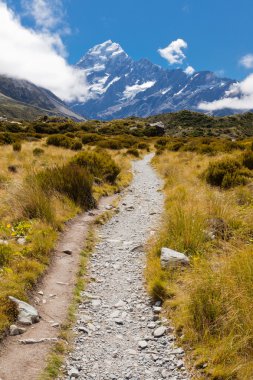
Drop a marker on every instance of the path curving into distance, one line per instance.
(117, 323)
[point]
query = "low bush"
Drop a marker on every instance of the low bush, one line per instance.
(71, 180)
(143, 146)
(13, 168)
(110, 144)
(247, 160)
(6, 138)
(38, 152)
(133, 152)
(99, 164)
(175, 146)
(16, 146)
(90, 138)
(60, 141)
(77, 145)
(226, 173)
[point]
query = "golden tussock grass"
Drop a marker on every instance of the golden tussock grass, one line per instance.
(35, 206)
(211, 302)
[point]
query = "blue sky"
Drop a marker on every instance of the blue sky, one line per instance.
(42, 39)
(218, 32)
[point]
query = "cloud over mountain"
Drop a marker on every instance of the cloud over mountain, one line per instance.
(173, 53)
(238, 97)
(37, 56)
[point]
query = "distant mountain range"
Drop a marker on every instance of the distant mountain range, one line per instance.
(118, 87)
(121, 87)
(22, 99)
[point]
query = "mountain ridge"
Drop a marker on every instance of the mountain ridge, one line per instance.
(23, 99)
(121, 87)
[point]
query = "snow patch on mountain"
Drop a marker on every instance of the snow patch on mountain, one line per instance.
(131, 91)
(121, 87)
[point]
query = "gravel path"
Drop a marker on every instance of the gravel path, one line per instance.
(119, 334)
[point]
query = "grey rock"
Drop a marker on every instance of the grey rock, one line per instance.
(142, 344)
(21, 241)
(170, 258)
(4, 242)
(160, 331)
(27, 314)
(15, 330)
(73, 373)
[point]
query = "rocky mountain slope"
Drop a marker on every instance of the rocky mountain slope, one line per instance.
(22, 99)
(121, 87)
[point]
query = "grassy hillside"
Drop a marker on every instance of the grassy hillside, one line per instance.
(186, 123)
(16, 110)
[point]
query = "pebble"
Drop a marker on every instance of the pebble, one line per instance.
(160, 331)
(142, 344)
(119, 335)
(73, 373)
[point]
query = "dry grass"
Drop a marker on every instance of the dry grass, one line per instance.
(210, 303)
(26, 210)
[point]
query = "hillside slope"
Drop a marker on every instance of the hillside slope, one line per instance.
(23, 100)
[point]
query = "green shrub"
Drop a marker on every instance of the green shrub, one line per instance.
(133, 152)
(71, 180)
(38, 151)
(247, 160)
(143, 146)
(90, 137)
(99, 164)
(13, 168)
(162, 142)
(16, 146)
(226, 173)
(60, 141)
(77, 145)
(111, 144)
(175, 146)
(6, 138)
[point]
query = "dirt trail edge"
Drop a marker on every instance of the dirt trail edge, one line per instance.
(19, 362)
(119, 334)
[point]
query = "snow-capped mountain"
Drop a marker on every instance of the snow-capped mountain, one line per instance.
(121, 87)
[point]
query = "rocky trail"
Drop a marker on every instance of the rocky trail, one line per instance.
(119, 334)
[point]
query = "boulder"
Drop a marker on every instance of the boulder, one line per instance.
(27, 314)
(170, 258)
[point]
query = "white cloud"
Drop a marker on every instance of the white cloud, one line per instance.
(247, 61)
(173, 53)
(189, 70)
(239, 97)
(47, 14)
(37, 57)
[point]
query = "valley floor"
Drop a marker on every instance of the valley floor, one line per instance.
(118, 333)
